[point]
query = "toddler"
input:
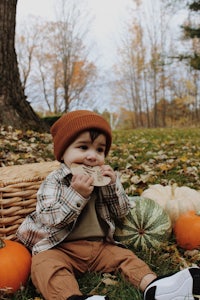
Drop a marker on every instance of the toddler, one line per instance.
(71, 230)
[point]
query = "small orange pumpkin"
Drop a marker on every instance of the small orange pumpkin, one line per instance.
(15, 265)
(187, 230)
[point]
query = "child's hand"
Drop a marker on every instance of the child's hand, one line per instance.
(108, 171)
(82, 184)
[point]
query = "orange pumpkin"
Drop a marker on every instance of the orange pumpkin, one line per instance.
(15, 265)
(187, 230)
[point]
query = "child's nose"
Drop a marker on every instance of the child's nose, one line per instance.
(91, 155)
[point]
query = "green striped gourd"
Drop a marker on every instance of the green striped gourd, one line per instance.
(146, 226)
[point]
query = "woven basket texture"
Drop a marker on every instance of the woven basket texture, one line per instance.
(18, 188)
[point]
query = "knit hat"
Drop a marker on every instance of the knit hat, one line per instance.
(70, 125)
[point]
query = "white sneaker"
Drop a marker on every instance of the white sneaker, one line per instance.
(183, 285)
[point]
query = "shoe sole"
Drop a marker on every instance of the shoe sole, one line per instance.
(184, 285)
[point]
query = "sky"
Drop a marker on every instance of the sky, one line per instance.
(108, 17)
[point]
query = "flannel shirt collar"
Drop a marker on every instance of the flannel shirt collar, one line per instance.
(65, 171)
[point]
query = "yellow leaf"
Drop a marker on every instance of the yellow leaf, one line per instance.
(164, 167)
(109, 281)
(183, 158)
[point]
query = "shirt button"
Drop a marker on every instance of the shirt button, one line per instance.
(78, 204)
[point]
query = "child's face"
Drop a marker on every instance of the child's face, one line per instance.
(85, 151)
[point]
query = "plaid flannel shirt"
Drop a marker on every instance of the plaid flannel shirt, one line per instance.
(59, 205)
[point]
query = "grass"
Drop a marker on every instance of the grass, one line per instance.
(143, 157)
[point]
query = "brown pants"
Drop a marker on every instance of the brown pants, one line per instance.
(54, 271)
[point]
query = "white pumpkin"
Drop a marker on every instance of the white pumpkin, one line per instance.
(175, 200)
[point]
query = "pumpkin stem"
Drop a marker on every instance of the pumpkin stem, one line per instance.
(2, 244)
(173, 185)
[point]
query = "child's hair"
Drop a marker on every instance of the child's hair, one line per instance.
(71, 124)
(94, 134)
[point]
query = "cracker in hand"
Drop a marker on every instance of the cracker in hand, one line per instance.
(95, 172)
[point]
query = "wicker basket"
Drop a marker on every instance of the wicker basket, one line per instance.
(18, 188)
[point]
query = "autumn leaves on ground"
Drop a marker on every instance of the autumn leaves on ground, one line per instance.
(143, 157)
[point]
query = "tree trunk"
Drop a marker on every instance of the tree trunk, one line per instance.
(15, 110)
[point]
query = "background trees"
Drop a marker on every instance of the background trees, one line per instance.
(155, 84)
(192, 31)
(151, 84)
(55, 66)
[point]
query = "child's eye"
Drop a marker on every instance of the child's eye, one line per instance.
(83, 147)
(100, 150)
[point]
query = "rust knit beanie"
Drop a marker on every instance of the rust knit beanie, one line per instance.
(70, 125)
